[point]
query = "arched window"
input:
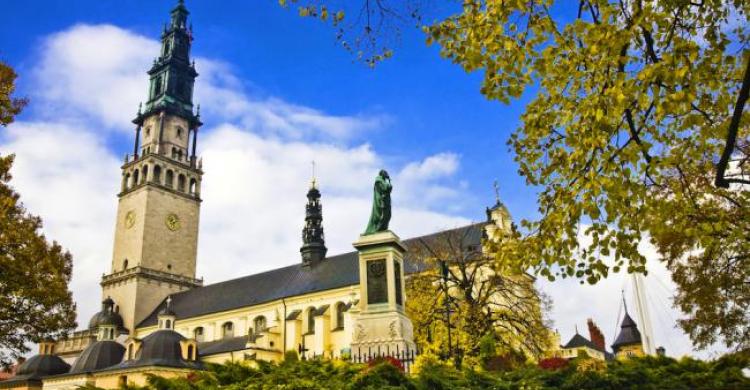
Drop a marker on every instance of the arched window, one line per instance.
(125, 180)
(169, 324)
(174, 152)
(227, 330)
(193, 186)
(157, 174)
(157, 86)
(144, 175)
(148, 131)
(260, 324)
(169, 178)
(179, 154)
(311, 320)
(181, 183)
(190, 350)
(340, 309)
(179, 132)
(125, 264)
(135, 178)
(198, 334)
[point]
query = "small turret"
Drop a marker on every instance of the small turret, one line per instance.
(628, 343)
(167, 316)
(313, 248)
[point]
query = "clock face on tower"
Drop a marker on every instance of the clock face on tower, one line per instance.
(173, 222)
(129, 219)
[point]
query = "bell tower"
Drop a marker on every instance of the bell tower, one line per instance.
(156, 232)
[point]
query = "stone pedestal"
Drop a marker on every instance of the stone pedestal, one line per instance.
(381, 326)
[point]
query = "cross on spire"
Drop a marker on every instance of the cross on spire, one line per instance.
(313, 174)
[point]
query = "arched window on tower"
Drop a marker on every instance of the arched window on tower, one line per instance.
(125, 264)
(169, 178)
(157, 85)
(181, 183)
(193, 186)
(190, 350)
(157, 174)
(144, 175)
(227, 330)
(126, 181)
(198, 334)
(174, 153)
(135, 178)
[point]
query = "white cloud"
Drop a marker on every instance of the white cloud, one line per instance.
(99, 71)
(257, 160)
(66, 175)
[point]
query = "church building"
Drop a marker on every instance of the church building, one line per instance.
(158, 317)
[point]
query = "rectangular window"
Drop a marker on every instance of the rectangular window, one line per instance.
(397, 278)
(377, 287)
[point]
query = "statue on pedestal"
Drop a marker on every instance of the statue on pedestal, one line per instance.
(381, 204)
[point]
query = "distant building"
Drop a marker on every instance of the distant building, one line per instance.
(628, 343)
(579, 346)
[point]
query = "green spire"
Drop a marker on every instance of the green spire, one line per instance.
(172, 75)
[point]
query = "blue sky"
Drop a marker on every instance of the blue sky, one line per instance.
(277, 92)
(434, 105)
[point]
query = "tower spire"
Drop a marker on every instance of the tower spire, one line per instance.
(313, 240)
(173, 74)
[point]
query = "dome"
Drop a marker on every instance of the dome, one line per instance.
(161, 348)
(42, 365)
(106, 316)
(99, 355)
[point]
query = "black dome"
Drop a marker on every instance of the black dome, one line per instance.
(161, 348)
(42, 365)
(106, 318)
(99, 355)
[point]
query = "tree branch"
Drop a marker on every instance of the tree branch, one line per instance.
(734, 125)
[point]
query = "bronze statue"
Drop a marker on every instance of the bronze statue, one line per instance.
(381, 204)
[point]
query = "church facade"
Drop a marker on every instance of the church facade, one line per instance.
(157, 317)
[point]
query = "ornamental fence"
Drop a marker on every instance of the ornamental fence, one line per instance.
(400, 357)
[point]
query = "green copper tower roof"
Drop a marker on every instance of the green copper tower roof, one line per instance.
(172, 75)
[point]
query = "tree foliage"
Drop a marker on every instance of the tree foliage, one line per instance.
(632, 103)
(35, 302)
(484, 302)
(9, 106)
(638, 373)
(636, 112)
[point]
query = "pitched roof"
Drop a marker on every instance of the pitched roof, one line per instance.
(298, 279)
(578, 341)
(629, 333)
(222, 345)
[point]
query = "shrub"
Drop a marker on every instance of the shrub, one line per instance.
(382, 375)
(553, 363)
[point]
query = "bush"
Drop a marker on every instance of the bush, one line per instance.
(553, 363)
(382, 375)
(431, 373)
